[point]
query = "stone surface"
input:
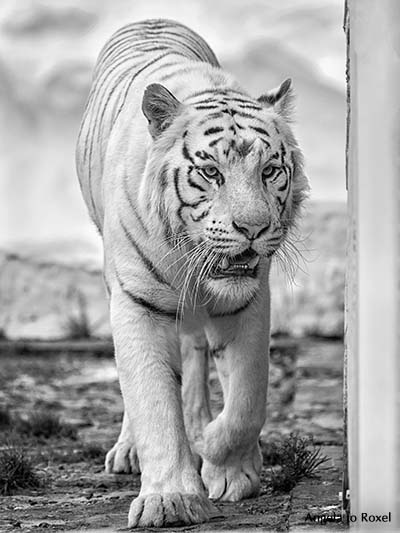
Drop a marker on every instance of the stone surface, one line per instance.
(82, 389)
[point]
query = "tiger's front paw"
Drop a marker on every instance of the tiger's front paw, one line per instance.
(122, 459)
(237, 478)
(169, 509)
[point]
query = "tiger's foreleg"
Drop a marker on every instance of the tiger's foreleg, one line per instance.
(232, 457)
(147, 354)
(195, 393)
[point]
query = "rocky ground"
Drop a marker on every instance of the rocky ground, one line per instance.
(82, 389)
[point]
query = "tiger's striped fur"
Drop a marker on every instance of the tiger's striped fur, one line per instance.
(191, 182)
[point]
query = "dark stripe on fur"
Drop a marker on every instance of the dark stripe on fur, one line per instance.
(149, 306)
(260, 130)
(284, 186)
(215, 141)
(204, 155)
(221, 239)
(149, 265)
(195, 185)
(245, 102)
(209, 106)
(154, 309)
(250, 106)
(186, 155)
(134, 211)
(211, 116)
(267, 144)
(181, 200)
(163, 182)
(245, 115)
(211, 131)
(207, 101)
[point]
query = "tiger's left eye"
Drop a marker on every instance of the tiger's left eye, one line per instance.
(268, 172)
(210, 172)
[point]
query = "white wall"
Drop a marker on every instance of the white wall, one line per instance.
(374, 269)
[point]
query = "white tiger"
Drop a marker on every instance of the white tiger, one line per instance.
(193, 185)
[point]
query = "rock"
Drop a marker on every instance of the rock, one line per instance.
(57, 291)
(48, 299)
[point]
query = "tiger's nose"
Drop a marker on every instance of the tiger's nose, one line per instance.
(251, 231)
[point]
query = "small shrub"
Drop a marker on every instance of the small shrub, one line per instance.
(298, 459)
(46, 425)
(271, 452)
(93, 452)
(5, 418)
(77, 325)
(282, 482)
(16, 471)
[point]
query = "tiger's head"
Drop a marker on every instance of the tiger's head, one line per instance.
(227, 179)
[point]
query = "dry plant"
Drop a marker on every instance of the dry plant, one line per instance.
(45, 425)
(5, 418)
(16, 471)
(77, 324)
(296, 457)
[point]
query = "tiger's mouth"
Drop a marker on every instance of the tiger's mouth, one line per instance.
(243, 264)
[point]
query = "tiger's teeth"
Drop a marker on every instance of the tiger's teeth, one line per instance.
(253, 262)
(225, 263)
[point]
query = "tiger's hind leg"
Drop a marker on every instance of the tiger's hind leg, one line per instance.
(122, 458)
(195, 393)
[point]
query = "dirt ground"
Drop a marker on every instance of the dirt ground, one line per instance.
(305, 396)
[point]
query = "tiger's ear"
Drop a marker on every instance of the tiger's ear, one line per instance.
(160, 107)
(280, 99)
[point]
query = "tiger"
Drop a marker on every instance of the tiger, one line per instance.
(194, 185)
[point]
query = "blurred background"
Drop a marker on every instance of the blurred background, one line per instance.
(64, 405)
(50, 254)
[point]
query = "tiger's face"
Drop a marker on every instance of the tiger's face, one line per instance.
(235, 171)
